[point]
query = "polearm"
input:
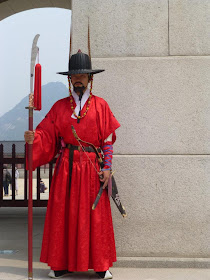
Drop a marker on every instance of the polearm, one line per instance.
(34, 52)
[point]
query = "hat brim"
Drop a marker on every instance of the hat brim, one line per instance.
(81, 71)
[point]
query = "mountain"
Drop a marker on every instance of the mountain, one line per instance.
(15, 122)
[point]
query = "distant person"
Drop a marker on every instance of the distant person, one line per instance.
(7, 179)
(42, 186)
(16, 180)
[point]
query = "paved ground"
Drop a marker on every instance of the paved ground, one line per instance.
(13, 266)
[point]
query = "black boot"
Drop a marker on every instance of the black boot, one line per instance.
(104, 274)
(58, 273)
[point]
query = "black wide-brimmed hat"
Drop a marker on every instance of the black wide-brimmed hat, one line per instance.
(80, 63)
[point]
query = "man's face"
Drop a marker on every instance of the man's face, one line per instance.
(79, 81)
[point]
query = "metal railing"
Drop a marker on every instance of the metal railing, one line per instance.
(13, 160)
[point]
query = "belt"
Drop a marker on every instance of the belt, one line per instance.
(73, 148)
(88, 149)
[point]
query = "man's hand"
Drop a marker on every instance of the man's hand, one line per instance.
(105, 178)
(29, 136)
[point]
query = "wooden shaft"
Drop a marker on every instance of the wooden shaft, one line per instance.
(30, 200)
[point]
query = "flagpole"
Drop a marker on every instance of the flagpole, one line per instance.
(30, 108)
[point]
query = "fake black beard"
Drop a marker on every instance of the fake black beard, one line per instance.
(79, 90)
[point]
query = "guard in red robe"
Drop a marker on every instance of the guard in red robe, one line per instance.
(77, 238)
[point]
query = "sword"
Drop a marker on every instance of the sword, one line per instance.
(115, 195)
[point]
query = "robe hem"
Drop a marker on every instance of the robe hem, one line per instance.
(73, 269)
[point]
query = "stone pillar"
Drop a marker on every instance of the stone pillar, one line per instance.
(156, 56)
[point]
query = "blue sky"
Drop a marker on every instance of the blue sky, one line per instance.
(17, 33)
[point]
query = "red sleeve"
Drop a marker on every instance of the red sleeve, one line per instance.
(46, 140)
(107, 121)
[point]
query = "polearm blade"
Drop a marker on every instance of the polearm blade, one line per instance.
(34, 52)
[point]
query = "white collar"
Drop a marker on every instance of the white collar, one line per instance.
(85, 97)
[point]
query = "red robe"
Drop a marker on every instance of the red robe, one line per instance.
(76, 237)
